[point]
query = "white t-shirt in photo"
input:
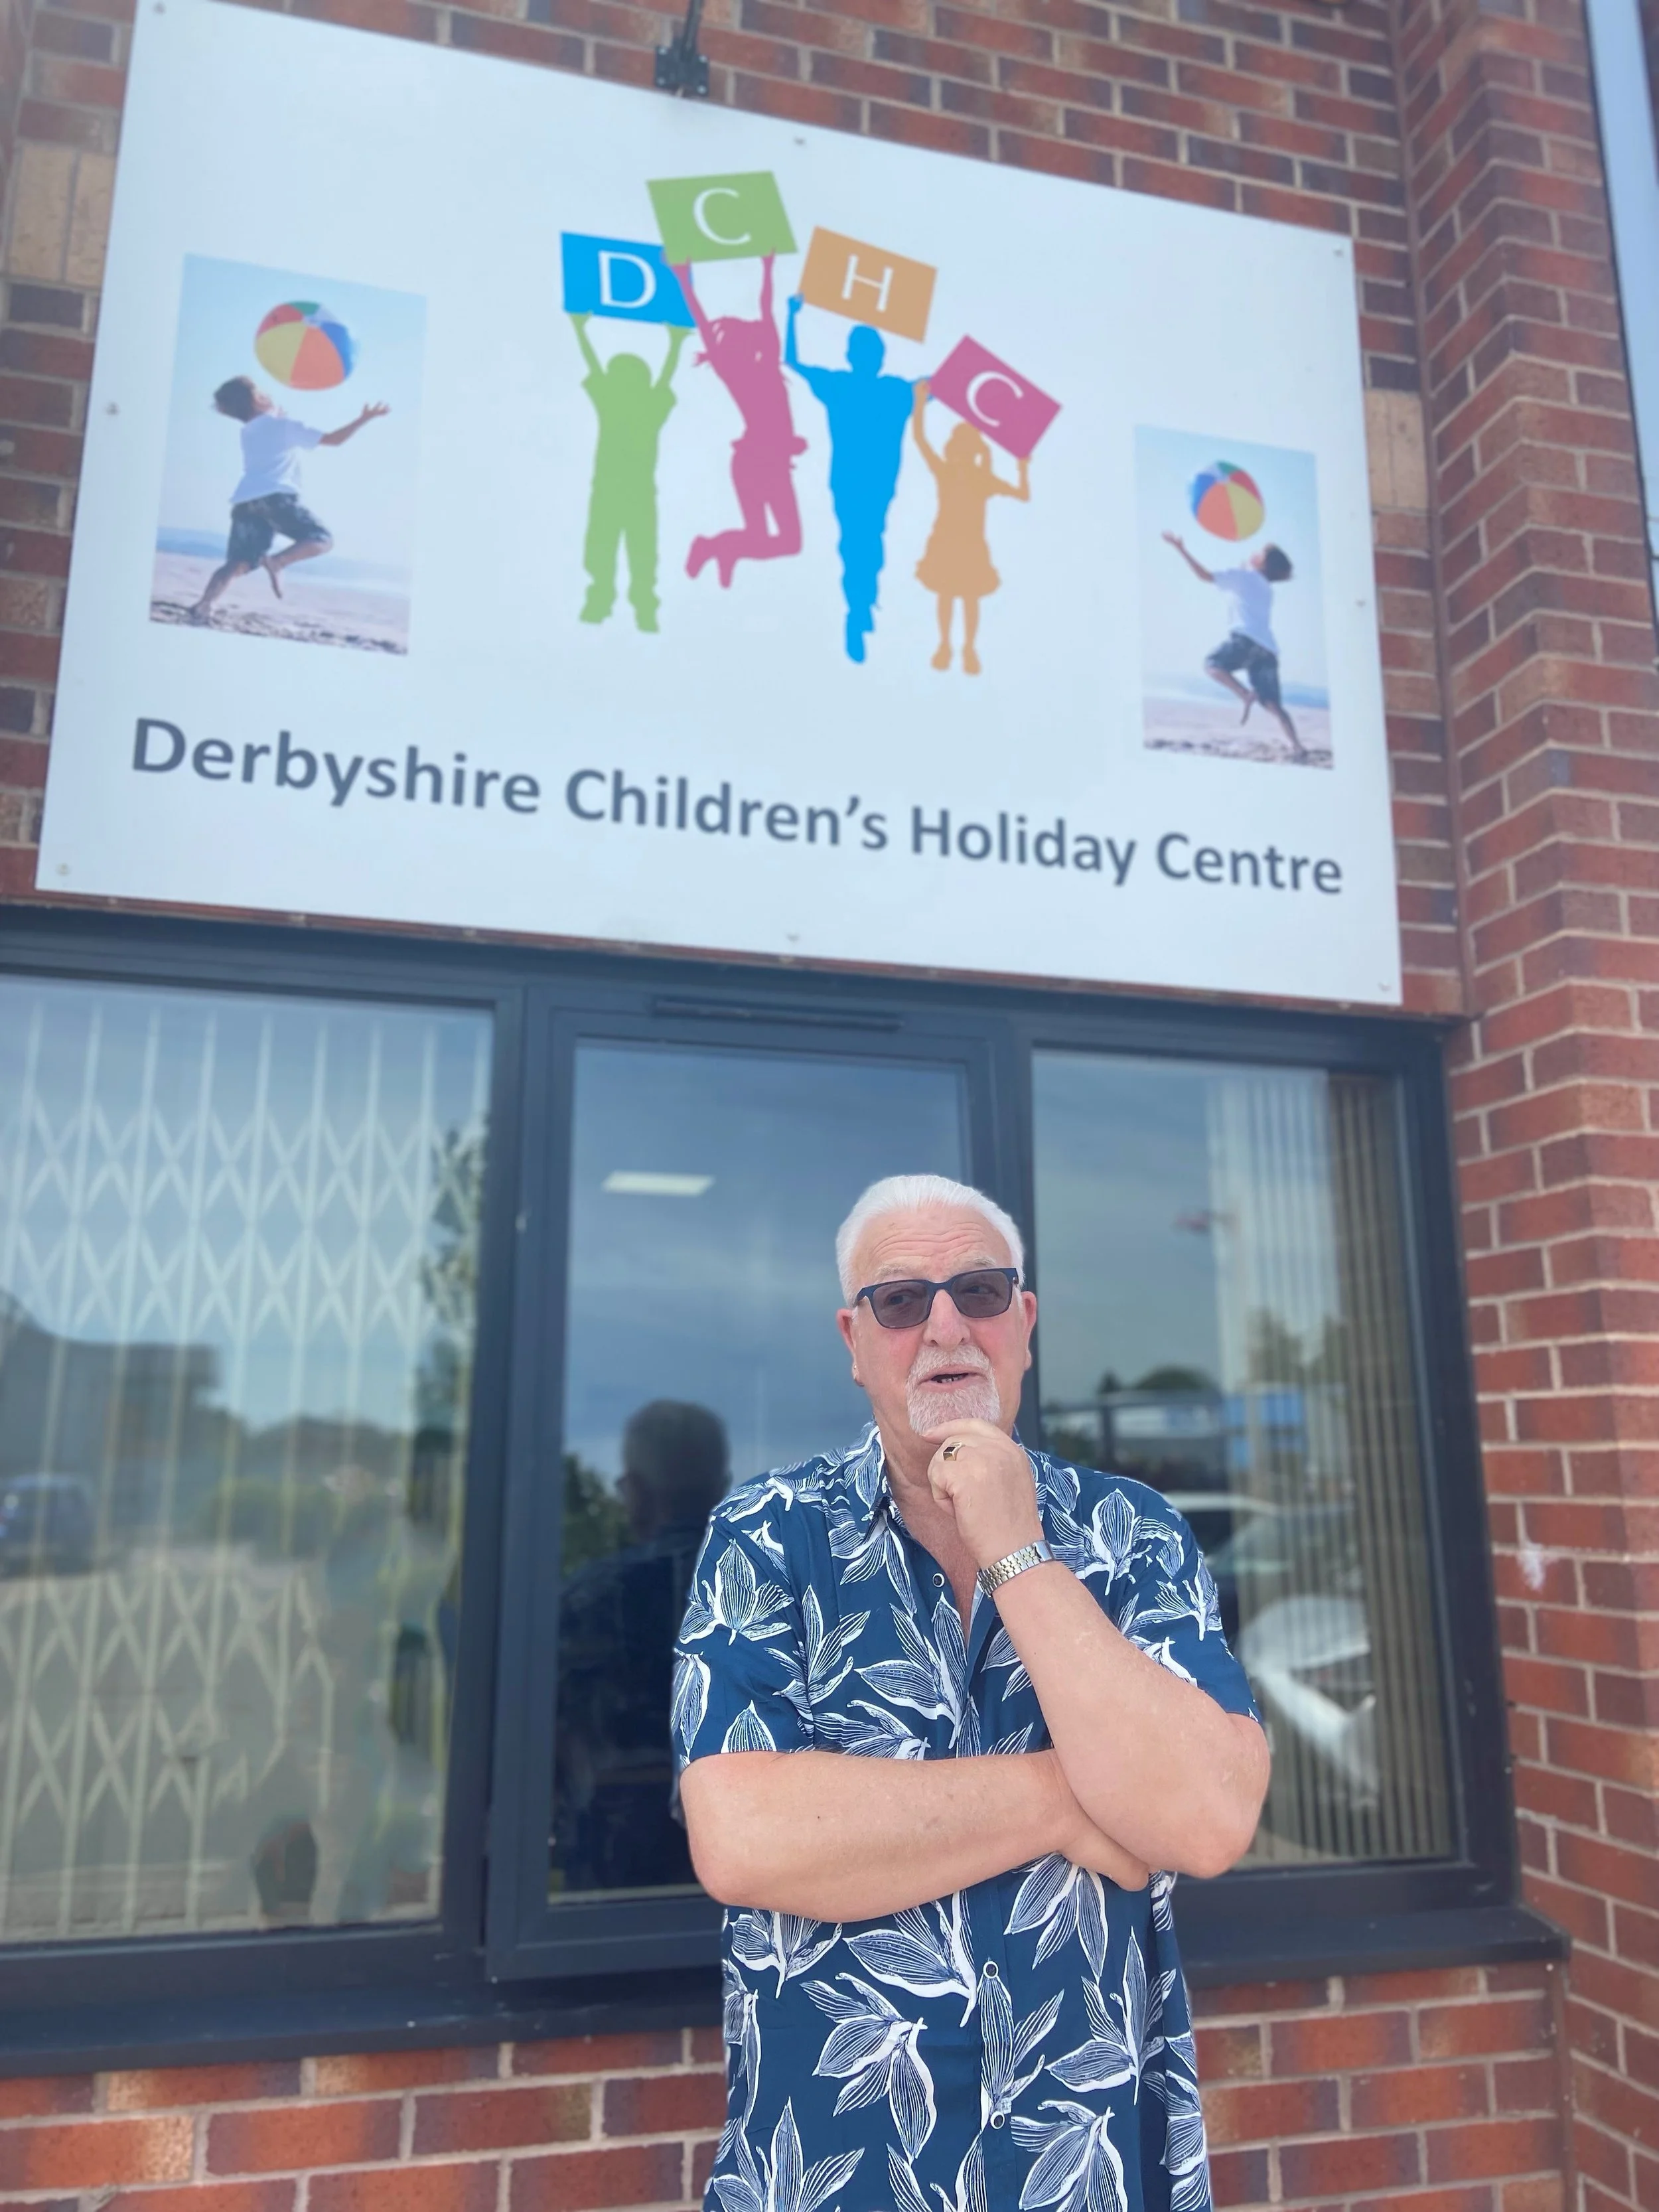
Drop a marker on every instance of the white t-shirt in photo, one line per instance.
(1252, 596)
(271, 446)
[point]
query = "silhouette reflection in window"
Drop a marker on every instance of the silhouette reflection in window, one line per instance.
(615, 1822)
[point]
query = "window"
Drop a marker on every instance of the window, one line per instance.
(706, 1189)
(1225, 1317)
(377, 1321)
(237, 1245)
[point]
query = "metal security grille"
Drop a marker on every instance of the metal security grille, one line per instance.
(238, 1241)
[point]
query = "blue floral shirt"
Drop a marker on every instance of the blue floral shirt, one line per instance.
(1026, 2041)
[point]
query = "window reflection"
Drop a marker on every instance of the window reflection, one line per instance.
(1223, 1316)
(238, 1262)
(706, 1190)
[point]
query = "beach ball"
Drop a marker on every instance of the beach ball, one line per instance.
(301, 344)
(1226, 501)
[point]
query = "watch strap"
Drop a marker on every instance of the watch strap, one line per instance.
(1004, 1571)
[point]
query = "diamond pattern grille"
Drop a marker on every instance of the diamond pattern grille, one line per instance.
(237, 1252)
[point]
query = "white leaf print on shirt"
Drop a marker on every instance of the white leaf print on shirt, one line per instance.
(1005, 2048)
(873, 2049)
(749, 1732)
(879, 1734)
(968, 2195)
(780, 2182)
(926, 1949)
(782, 1943)
(689, 1703)
(1078, 2166)
(1123, 2041)
(1063, 1901)
(999, 1652)
(1175, 2085)
(1162, 1894)
(931, 1679)
(740, 2027)
(735, 1599)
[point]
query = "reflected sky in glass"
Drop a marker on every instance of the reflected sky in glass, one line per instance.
(1128, 1272)
(723, 1291)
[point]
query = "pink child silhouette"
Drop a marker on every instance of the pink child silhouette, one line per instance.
(748, 359)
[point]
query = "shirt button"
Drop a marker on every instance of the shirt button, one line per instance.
(999, 2119)
(991, 1970)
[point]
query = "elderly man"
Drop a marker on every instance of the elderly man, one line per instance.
(941, 1703)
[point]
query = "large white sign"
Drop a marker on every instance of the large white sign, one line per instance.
(515, 502)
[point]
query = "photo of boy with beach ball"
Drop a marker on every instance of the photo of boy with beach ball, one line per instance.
(263, 532)
(1232, 628)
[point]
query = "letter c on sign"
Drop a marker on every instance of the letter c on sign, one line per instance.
(977, 384)
(573, 794)
(700, 216)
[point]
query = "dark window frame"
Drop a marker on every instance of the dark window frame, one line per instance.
(501, 1961)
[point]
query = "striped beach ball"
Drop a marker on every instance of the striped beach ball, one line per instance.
(302, 344)
(1226, 501)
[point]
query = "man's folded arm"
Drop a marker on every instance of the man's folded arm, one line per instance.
(833, 1836)
(1152, 1759)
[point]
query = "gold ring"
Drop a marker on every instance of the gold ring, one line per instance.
(952, 1449)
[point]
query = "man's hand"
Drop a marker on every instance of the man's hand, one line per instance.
(985, 1479)
(1171, 538)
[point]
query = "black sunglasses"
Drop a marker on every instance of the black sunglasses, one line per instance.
(979, 1294)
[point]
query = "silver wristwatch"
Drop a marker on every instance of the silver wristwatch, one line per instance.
(1004, 1571)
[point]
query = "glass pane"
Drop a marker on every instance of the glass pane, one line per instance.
(1223, 1316)
(700, 1349)
(238, 1250)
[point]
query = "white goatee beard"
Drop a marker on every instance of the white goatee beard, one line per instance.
(931, 1409)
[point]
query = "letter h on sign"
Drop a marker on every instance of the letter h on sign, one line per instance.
(621, 277)
(1008, 407)
(868, 284)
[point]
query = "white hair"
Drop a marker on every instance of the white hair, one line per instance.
(911, 1193)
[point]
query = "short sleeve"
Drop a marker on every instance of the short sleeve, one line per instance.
(739, 1679)
(301, 435)
(1166, 1603)
(1229, 579)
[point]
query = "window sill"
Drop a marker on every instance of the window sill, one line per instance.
(1222, 1948)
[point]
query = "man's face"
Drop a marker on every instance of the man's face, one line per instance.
(262, 402)
(946, 1368)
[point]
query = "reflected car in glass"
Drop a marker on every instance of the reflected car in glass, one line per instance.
(48, 1526)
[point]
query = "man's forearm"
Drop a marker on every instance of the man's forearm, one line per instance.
(1152, 1759)
(831, 1836)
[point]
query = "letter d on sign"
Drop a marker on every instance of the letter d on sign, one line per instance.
(141, 746)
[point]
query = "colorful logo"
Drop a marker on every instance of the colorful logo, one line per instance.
(1226, 502)
(303, 345)
(874, 416)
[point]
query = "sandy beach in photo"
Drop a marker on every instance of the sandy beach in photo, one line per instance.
(1196, 725)
(310, 612)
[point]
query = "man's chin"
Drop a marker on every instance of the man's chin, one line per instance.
(932, 1412)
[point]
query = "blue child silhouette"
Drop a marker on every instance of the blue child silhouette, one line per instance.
(867, 414)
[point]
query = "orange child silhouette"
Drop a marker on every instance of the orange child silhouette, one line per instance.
(957, 564)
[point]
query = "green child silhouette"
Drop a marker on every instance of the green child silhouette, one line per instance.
(622, 507)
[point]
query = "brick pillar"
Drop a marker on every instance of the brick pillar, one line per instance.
(58, 169)
(1554, 705)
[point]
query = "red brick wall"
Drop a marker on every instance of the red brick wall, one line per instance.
(1554, 731)
(1434, 2093)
